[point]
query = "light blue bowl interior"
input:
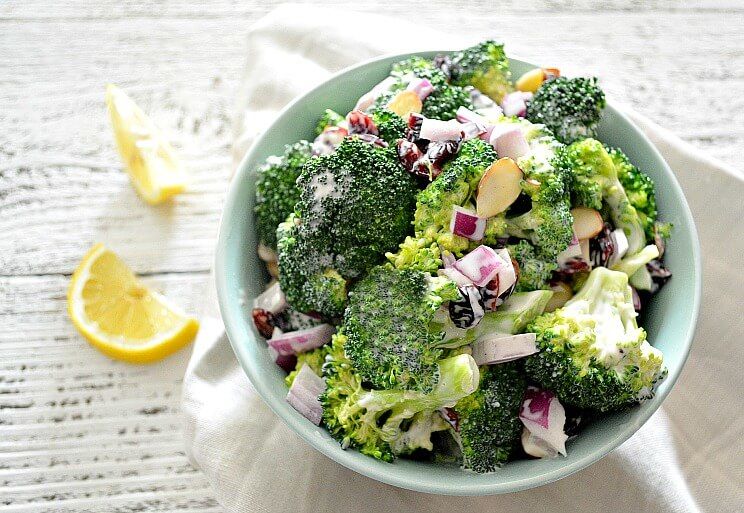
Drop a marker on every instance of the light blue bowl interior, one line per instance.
(670, 319)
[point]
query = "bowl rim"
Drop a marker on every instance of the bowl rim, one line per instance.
(352, 459)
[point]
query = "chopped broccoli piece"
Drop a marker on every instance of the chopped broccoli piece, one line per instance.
(355, 204)
(548, 224)
(455, 186)
(488, 419)
(444, 101)
(314, 359)
(595, 176)
(390, 126)
(417, 254)
(568, 107)
(485, 67)
(419, 67)
(276, 190)
(534, 271)
(592, 352)
(640, 191)
(385, 423)
(328, 119)
(392, 329)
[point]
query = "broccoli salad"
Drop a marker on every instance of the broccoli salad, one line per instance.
(459, 265)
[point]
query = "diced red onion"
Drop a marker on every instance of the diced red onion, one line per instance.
(294, 342)
(499, 348)
(453, 274)
(369, 98)
(421, 86)
(515, 104)
(304, 394)
(511, 143)
(466, 223)
(448, 259)
(480, 265)
(465, 115)
(536, 447)
(272, 299)
(507, 274)
(544, 416)
(437, 130)
(480, 100)
(472, 130)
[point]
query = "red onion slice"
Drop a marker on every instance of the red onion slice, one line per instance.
(544, 416)
(536, 447)
(507, 275)
(510, 143)
(437, 130)
(499, 348)
(515, 104)
(466, 223)
(421, 86)
(453, 274)
(480, 265)
(304, 394)
(272, 299)
(294, 342)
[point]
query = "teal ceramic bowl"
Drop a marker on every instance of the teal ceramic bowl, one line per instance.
(670, 319)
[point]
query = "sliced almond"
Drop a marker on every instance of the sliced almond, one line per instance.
(561, 294)
(530, 81)
(273, 268)
(587, 222)
(499, 187)
(404, 103)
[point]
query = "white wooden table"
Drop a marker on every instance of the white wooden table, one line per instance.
(79, 432)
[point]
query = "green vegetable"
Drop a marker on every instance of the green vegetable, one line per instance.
(534, 271)
(489, 425)
(417, 254)
(568, 107)
(314, 359)
(355, 204)
(386, 423)
(596, 184)
(328, 119)
(392, 330)
(444, 101)
(276, 190)
(592, 352)
(640, 191)
(390, 125)
(485, 67)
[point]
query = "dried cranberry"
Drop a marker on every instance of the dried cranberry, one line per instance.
(637, 305)
(408, 154)
(602, 247)
(490, 295)
(466, 311)
(441, 152)
(451, 417)
(360, 123)
(414, 126)
(264, 322)
(659, 274)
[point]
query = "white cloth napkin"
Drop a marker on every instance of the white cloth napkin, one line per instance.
(689, 456)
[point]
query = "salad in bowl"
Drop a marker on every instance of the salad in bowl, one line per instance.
(459, 265)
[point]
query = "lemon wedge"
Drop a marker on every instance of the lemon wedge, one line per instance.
(149, 158)
(120, 316)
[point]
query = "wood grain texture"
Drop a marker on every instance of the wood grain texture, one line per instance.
(79, 432)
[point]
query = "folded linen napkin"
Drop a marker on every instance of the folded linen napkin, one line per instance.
(688, 457)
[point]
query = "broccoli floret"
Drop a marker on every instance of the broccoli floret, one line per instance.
(314, 359)
(534, 271)
(391, 327)
(488, 419)
(640, 191)
(569, 107)
(548, 224)
(455, 186)
(306, 275)
(390, 126)
(595, 181)
(328, 119)
(443, 102)
(592, 352)
(385, 423)
(276, 190)
(417, 254)
(355, 204)
(485, 67)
